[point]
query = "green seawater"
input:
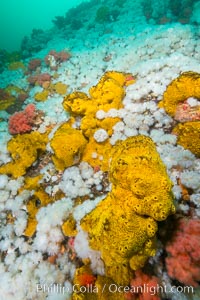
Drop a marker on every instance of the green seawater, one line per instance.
(19, 17)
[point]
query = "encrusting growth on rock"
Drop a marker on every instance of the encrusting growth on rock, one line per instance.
(68, 145)
(183, 87)
(189, 136)
(106, 95)
(123, 225)
(24, 150)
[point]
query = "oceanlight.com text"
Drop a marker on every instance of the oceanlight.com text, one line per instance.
(151, 290)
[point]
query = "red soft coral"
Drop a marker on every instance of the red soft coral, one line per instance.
(183, 261)
(143, 287)
(54, 58)
(63, 56)
(39, 79)
(22, 121)
(34, 64)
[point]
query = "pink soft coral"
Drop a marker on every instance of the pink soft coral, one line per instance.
(183, 261)
(22, 121)
(143, 287)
